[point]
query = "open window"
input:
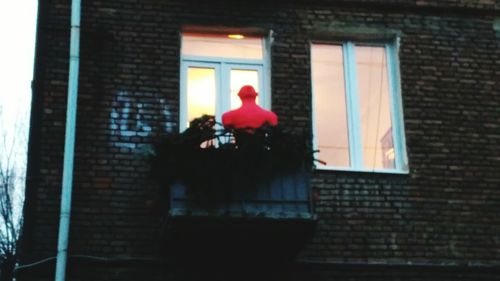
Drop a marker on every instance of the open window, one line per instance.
(358, 118)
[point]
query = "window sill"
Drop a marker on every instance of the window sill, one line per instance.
(377, 171)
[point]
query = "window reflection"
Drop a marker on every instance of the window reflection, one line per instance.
(353, 106)
(330, 104)
(375, 110)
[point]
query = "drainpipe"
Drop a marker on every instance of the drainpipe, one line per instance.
(69, 144)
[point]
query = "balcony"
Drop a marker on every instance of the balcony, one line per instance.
(237, 194)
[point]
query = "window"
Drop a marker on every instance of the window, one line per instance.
(213, 69)
(357, 108)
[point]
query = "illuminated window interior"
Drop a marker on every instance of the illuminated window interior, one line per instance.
(222, 46)
(214, 67)
(201, 90)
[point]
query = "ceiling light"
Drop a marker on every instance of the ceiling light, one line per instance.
(236, 36)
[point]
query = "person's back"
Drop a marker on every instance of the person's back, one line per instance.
(249, 115)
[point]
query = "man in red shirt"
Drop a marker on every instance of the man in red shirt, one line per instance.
(249, 115)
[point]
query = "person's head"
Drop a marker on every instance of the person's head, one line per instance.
(247, 92)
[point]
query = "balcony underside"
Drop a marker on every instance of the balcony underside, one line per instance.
(234, 240)
(268, 222)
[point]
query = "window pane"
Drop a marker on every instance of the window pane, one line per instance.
(375, 108)
(213, 45)
(240, 78)
(201, 89)
(330, 104)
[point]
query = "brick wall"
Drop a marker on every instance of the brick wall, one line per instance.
(445, 211)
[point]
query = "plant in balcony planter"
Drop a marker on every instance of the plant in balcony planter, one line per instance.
(249, 150)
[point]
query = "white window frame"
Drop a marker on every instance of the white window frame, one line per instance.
(222, 68)
(352, 108)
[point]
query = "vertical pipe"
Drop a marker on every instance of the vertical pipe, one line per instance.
(69, 145)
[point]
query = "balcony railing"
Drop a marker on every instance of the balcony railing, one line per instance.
(284, 196)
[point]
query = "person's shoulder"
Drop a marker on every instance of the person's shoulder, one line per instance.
(228, 113)
(272, 118)
(271, 114)
(228, 117)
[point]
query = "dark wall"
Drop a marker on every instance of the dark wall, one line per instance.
(445, 211)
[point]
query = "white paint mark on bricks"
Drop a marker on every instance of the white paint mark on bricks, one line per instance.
(131, 117)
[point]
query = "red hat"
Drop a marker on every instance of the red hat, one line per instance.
(247, 91)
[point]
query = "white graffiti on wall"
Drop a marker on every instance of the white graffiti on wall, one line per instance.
(138, 115)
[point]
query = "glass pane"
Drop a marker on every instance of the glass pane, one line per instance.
(375, 108)
(201, 89)
(213, 45)
(330, 104)
(240, 78)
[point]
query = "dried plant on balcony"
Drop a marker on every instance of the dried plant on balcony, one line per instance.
(208, 160)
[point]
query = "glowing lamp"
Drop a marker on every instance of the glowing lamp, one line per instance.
(236, 36)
